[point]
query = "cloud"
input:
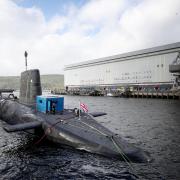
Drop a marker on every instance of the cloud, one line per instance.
(153, 22)
(96, 29)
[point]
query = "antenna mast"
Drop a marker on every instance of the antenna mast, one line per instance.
(26, 54)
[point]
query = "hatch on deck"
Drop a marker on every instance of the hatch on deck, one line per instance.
(50, 104)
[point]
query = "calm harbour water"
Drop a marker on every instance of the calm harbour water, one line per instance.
(152, 124)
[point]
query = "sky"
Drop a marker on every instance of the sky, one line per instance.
(56, 33)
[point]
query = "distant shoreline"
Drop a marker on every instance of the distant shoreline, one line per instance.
(49, 81)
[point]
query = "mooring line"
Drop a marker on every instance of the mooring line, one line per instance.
(49, 128)
(84, 129)
(124, 156)
(95, 129)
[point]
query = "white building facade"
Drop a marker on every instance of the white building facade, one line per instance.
(143, 67)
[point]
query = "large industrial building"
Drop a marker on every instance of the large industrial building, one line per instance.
(148, 67)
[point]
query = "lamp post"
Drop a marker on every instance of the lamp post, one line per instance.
(26, 54)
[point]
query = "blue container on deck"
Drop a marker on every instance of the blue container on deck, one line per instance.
(50, 104)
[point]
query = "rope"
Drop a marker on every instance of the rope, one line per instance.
(126, 159)
(50, 128)
(42, 137)
(83, 128)
(124, 156)
(118, 147)
(95, 129)
(45, 133)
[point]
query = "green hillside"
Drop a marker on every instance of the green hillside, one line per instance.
(48, 82)
(52, 81)
(9, 82)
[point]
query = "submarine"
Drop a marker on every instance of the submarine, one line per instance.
(36, 113)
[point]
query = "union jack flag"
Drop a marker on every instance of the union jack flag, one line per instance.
(84, 107)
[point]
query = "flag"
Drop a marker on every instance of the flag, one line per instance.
(84, 107)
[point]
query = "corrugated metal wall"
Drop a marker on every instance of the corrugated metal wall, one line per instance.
(149, 69)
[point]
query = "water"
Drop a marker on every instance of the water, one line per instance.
(152, 124)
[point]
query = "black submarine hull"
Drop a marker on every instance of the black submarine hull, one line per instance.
(83, 133)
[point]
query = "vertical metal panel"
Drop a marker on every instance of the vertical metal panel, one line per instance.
(147, 69)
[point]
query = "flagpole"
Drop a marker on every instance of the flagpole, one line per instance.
(79, 109)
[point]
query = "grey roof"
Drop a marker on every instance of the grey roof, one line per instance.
(126, 56)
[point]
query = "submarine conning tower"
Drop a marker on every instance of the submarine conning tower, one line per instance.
(30, 87)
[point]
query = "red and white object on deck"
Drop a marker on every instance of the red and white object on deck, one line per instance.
(84, 107)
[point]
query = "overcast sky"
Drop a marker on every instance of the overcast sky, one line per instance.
(61, 32)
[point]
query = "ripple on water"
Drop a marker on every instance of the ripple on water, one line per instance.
(151, 124)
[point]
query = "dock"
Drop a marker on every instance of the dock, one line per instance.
(166, 94)
(161, 95)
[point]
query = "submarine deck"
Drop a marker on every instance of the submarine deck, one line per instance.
(85, 133)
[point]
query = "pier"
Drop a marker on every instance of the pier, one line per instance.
(166, 94)
(161, 95)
